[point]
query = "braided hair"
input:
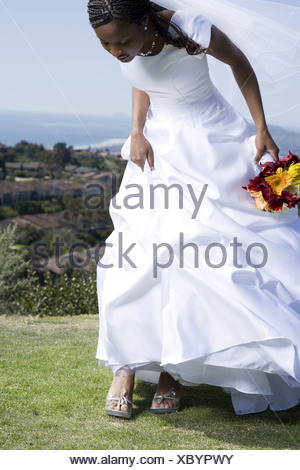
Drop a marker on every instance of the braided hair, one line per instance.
(102, 12)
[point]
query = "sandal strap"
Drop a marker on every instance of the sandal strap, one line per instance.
(167, 396)
(122, 400)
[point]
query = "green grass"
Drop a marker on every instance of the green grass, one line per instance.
(53, 392)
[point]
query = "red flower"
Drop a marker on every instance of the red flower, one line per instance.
(269, 168)
(276, 202)
(259, 184)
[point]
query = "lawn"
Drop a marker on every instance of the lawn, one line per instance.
(53, 394)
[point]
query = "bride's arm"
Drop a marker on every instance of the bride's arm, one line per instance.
(223, 49)
(140, 148)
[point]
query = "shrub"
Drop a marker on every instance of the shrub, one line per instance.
(73, 294)
(52, 206)
(7, 212)
(29, 207)
(27, 234)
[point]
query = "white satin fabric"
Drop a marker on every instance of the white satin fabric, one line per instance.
(238, 325)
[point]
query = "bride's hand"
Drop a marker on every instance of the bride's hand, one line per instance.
(265, 143)
(140, 149)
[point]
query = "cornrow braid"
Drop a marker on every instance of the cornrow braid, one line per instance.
(102, 12)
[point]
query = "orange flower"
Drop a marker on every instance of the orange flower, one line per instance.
(259, 200)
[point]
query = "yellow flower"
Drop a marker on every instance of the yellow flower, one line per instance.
(294, 171)
(279, 181)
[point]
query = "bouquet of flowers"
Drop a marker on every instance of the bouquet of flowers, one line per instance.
(277, 187)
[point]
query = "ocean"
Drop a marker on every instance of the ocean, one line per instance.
(78, 131)
(103, 132)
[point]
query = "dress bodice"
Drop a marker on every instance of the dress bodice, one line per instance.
(178, 84)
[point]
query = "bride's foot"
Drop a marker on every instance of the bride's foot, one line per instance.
(119, 397)
(167, 396)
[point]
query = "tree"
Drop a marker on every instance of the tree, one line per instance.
(2, 164)
(13, 275)
(27, 150)
(62, 154)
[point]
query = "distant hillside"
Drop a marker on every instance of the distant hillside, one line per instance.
(95, 131)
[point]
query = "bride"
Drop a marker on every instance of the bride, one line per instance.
(228, 322)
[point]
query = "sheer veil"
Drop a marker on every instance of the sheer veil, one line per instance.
(268, 32)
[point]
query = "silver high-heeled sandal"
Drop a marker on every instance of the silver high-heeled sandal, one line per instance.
(122, 400)
(167, 396)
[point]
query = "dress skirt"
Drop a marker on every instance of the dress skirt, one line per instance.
(195, 280)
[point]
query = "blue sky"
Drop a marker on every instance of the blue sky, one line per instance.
(52, 61)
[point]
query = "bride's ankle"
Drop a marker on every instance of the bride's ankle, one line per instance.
(124, 372)
(167, 381)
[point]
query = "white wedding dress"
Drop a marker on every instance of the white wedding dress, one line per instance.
(210, 313)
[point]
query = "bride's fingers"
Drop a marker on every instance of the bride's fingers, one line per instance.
(150, 158)
(258, 155)
(141, 157)
(275, 154)
(138, 160)
(141, 161)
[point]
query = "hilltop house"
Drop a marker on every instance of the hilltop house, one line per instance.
(32, 169)
(12, 192)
